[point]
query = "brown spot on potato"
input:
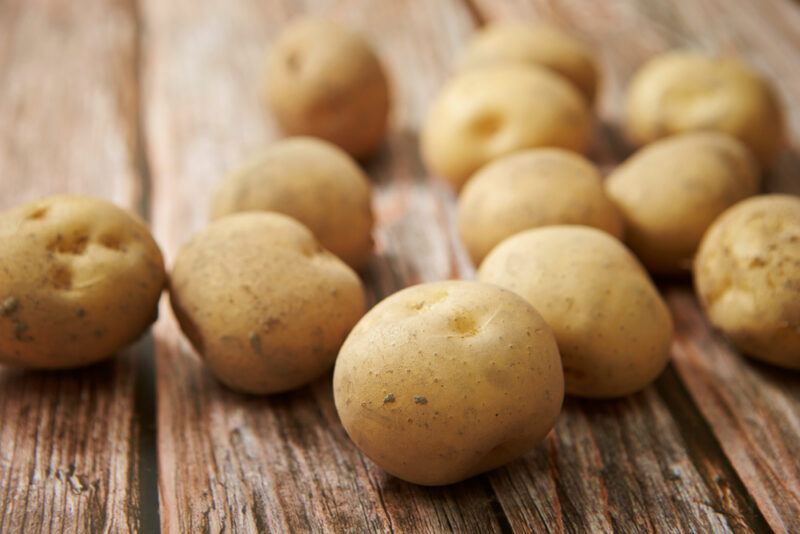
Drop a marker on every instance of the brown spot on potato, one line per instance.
(419, 399)
(464, 324)
(37, 214)
(293, 62)
(111, 242)
(486, 124)
(61, 277)
(389, 398)
(68, 245)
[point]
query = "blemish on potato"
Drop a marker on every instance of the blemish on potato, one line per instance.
(9, 306)
(464, 324)
(419, 399)
(389, 398)
(37, 214)
(61, 277)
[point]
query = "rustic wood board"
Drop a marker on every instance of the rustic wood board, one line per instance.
(149, 103)
(70, 442)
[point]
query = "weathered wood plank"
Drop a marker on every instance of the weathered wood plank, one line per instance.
(752, 414)
(69, 441)
(284, 463)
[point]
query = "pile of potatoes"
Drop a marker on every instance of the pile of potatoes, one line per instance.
(444, 380)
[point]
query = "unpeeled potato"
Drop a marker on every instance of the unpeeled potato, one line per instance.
(325, 80)
(687, 91)
(262, 302)
(312, 181)
(483, 114)
(528, 189)
(80, 279)
(540, 45)
(747, 276)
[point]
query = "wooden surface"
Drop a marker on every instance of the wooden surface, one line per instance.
(150, 102)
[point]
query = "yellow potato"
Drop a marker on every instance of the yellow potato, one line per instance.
(613, 329)
(545, 46)
(528, 189)
(442, 381)
(263, 304)
(325, 81)
(669, 193)
(312, 181)
(685, 91)
(79, 279)
(747, 276)
(486, 113)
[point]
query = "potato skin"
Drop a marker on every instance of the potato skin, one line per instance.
(325, 81)
(528, 189)
(612, 327)
(262, 302)
(442, 381)
(684, 91)
(80, 279)
(486, 113)
(312, 181)
(747, 277)
(545, 46)
(670, 192)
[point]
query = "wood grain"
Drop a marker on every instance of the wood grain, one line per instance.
(68, 105)
(753, 416)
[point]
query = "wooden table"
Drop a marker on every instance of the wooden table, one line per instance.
(149, 102)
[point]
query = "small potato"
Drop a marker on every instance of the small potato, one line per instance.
(613, 329)
(312, 181)
(545, 46)
(486, 113)
(747, 276)
(325, 81)
(79, 279)
(442, 381)
(685, 91)
(262, 302)
(536, 187)
(669, 193)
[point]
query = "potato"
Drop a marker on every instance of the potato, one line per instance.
(685, 91)
(486, 113)
(669, 193)
(79, 279)
(262, 302)
(312, 181)
(747, 276)
(442, 381)
(545, 46)
(613, 329)
(325, 81)
(531, 188)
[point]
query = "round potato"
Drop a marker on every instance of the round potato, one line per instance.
(486, 113)
(528, 189)
(684, 91)
(613, 329)
(669, 193)
(312, 181)
(79, 279)
(747, 276)
(546, 46)
(442, 381)
(262, 302)
(325, 81)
